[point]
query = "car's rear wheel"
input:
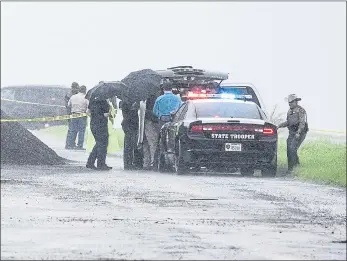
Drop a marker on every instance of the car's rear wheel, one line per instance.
(162, 166)
(247, 171)
(180, 166)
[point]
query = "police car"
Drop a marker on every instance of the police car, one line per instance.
(218, 133)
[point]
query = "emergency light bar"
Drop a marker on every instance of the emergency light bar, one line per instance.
(192, 96)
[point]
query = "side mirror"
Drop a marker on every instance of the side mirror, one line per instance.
(165, 118)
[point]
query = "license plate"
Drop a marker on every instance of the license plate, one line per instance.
(232, 147)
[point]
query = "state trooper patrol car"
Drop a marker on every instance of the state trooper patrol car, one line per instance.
(220, 126)
(218, 133)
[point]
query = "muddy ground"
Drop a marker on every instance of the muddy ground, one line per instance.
(69, 212)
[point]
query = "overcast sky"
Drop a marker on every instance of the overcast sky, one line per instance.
(281, 48)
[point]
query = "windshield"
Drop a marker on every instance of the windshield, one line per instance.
(239, 90)
(231, 90)
(228, 110)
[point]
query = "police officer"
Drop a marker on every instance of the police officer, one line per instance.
(99, 112)
(132, 157)
(297, 125)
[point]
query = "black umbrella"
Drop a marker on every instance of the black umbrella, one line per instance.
(106, 90)
(140, 85)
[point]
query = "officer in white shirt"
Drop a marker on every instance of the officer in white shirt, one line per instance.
(77, 126)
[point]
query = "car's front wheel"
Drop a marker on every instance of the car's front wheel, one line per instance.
(180, 166)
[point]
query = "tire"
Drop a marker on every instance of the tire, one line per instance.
(270, 171)
(179, 165)
(247, 171)
(162, 166)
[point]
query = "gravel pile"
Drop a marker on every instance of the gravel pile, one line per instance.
(20, 146)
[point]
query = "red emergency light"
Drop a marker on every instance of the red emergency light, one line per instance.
(199, 92)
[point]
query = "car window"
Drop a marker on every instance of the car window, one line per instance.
(227, 110)
(179, 112)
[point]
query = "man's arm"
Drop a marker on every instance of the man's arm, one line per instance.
(283, 124)
(69, 102)
(156, 108)
(87, 104)
(67, 98)
(178, 104)
(105, 108)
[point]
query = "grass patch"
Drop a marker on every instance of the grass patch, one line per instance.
(282, 155)
(58, 132)
(320, 161)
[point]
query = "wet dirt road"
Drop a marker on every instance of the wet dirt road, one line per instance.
(69, 212)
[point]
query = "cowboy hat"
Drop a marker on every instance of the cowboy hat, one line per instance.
(292, 97)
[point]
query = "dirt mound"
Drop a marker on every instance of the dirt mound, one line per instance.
(20, 146)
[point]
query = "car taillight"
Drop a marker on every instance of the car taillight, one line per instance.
(196, 129)
(268, 131)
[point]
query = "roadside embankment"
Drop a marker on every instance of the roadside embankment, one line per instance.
(320, 160)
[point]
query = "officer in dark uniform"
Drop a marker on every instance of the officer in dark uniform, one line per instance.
(99, 112)
(297, 125)
(132, 156)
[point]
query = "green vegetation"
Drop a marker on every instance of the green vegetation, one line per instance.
(59, 132)
(320, 161)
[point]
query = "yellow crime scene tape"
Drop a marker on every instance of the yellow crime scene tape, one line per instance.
(33, 103)
(55, 118)
(73, 116)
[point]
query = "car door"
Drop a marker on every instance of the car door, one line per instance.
(174, 125)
